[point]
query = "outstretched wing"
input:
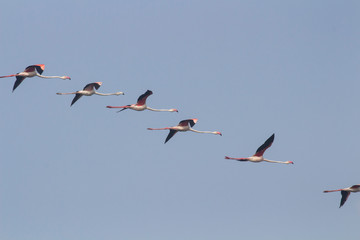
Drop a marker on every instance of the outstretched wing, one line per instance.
(260, 151)
(18, 81)
(142, 99)
(344, 197)
(77, 96)
(38, 67)
(91, 86)
(170, 135)
(188, 121)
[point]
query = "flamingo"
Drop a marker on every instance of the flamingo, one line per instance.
(88, 91)
(141, 105)
(31, 71)
(258, 156)
(183, 126)
(345, 192)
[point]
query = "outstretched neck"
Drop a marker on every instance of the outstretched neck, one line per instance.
(108, 94)
(161, 110)
(272, 161)
(197, 131)
(61, 77)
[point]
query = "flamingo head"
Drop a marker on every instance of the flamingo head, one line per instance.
(289, 162)
(119, 93)
(65, 77)
(173, 110)
(218, 133)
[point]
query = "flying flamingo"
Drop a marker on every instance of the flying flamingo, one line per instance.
(141, 105)
(258, 156)
(345, 192)
(88, 91)
(183, 126)
(31, 71)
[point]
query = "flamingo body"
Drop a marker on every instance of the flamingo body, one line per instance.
(345, 193)
(183, 126)
(140, 105)
(31, 71)
(89, 90)
(258, 156)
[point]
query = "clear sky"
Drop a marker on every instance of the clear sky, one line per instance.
(245, 68)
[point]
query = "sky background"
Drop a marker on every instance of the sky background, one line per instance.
(245, 68)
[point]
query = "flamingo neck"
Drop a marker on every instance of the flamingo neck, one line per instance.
(62, 77)
(197, 131)
(161, 110)
(108, 94)
(272, 161)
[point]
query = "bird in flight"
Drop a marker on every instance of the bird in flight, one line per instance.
(183, 126)
(89, 90)
(31, 71)
(258, 156)
(141, 105)
(345, 192)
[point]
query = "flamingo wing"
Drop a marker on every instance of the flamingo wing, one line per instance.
(355, 186)
(91, 86)
(142, 99)
(344, 197)
(170, 135)
(18, 81)
(38, 67)
(77, 96)
(260, 151)
(188, 121)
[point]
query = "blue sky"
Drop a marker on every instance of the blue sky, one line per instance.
(245, 68)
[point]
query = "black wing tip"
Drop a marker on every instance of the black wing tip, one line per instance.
(192, 122)
(77, 97)
(15, 86)
(97, 86)
(272, 136)
(170, 135)
(39, 70)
